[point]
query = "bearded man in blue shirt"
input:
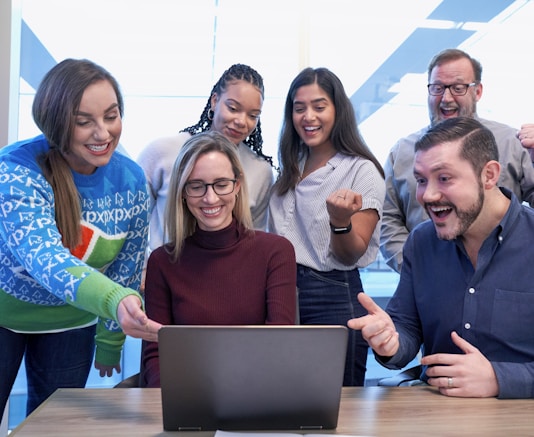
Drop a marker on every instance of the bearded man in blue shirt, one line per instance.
(466, 290)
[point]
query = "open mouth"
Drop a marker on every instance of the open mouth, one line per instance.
(439, 211)
(449, 112)
(98, 148)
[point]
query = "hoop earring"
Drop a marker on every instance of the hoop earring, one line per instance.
(210, 114)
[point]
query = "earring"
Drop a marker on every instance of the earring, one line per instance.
(210, 114)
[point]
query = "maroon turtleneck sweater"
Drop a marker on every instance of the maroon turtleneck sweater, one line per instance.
(227, 277)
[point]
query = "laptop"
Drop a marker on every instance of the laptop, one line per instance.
(265, 377)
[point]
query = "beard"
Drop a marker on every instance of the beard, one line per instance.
(462, 111)
(466, 217)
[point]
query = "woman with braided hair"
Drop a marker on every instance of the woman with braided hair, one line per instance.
(233, 109)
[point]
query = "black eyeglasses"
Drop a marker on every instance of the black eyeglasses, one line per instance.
(199, 188)
(456, 89)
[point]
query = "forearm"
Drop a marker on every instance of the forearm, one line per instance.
(350, 246)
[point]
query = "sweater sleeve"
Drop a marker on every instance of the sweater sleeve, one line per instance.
(127, 266)
(159, 308)
(281, 283)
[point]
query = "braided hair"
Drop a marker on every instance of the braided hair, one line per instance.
(236, 72)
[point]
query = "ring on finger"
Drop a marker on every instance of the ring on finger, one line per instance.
(449, 382)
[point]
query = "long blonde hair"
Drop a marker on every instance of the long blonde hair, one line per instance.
(179, 223)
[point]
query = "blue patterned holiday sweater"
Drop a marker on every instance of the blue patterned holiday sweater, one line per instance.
(44, 287)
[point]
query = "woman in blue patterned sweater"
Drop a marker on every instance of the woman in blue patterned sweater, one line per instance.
(73, 233)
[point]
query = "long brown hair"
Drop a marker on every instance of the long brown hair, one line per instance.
(56, 102)
(345, 135)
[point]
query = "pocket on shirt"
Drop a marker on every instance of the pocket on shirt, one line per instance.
(513, 315)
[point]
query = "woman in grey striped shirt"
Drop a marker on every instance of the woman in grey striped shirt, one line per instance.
(328, 202)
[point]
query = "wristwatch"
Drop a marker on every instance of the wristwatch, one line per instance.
(342, 229)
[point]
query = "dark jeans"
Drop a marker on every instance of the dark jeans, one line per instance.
(58, 360)
(329, 298)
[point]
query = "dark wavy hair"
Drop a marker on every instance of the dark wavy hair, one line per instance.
(345, 135)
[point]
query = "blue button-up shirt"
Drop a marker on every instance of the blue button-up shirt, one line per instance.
(492, 306)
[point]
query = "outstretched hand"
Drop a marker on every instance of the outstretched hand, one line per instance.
(464, 375)
(133, 320)
(377, 328)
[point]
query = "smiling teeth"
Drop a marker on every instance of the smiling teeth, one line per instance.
(311, 128)
(97, 148)
(440, 209)
(211, 210)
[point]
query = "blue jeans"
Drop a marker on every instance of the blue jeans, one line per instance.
(57, 360)
(329, 298)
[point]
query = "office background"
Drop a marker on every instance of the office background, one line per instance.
(167, 54)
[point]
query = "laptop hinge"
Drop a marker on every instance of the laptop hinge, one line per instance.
(305, 427)
(189, 428)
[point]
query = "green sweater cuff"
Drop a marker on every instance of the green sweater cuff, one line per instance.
(108, 345)
(100, 295)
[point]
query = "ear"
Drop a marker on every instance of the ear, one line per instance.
(478, 92)
(213, 100)
(237, 188)
(490, 174)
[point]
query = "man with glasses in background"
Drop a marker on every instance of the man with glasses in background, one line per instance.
(454, 88)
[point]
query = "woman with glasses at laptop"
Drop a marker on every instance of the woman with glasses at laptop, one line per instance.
(327, 201)
(215, 269)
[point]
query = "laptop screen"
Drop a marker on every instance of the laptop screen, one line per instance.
(260, 377)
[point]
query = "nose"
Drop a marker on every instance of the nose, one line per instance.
(239, 119)
(309, 114)
(447, 95)
(100, 131)
(210, 195)
(428, 193)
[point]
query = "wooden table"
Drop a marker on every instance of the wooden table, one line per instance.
(369, 411)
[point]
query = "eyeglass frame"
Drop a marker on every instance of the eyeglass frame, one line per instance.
(449, 87)
(212, 185)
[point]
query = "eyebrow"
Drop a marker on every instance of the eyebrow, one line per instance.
(320, 99)
(86, 114)
(437, 168)
(237, 103)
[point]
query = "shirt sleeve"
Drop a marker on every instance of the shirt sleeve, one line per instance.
(516, 380)
(393, 232)
(403, 311)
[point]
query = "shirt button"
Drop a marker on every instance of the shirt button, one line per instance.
(471, 290)
(467, 326)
